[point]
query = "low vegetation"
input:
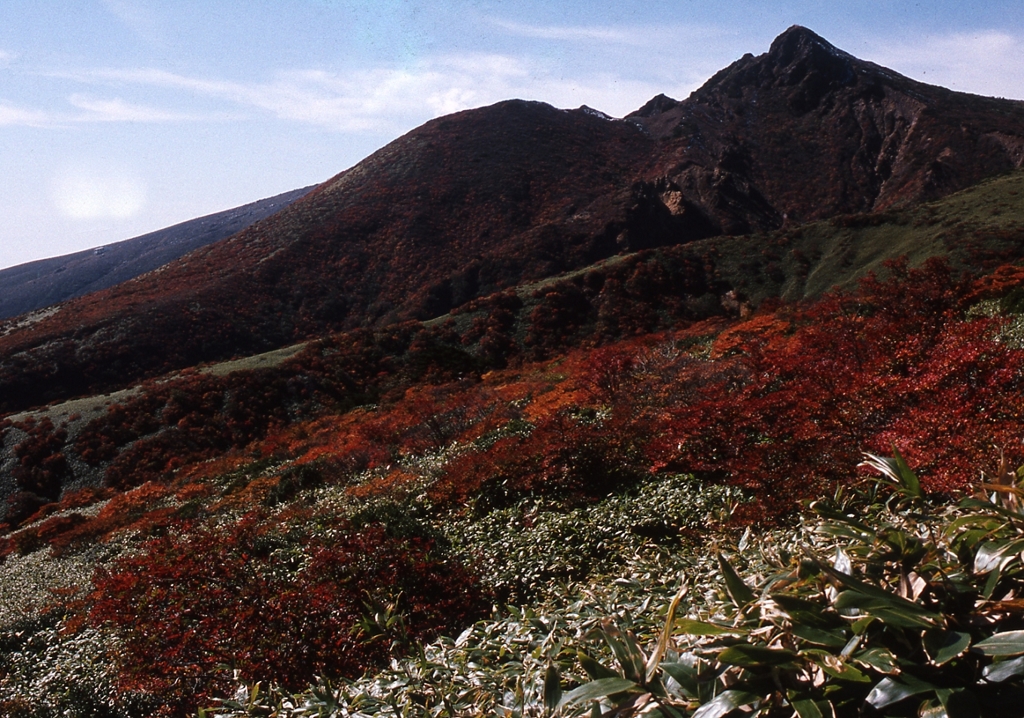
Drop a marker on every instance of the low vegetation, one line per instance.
(408, 522)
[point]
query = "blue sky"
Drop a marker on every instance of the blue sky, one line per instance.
(118, 117)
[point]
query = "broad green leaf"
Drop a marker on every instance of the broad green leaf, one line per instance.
(896, 472)
(725, 702)
(943, 646)
(984, 522)
(996, 554)
(806, 708)
(889, 608)
(991, 583)
(1003, 670)
(861, 625)
(552, 687)
(832, 639)
(1008, 643)
(901, 618)
(908, 479)
(893, 689)
(749, 656)
(878, 658)
(837, 668)
(827, 512)
(626, 651)
(684, 675)
(806, 613)
(600, 689)
(738, 590)
(795, 603)
(958, 702)
(873, 591)
(694, 627)
(594, 668)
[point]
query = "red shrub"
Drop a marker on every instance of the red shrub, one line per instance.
(238, 596)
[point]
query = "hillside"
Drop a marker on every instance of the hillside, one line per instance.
(35, 285)
(479, 201)
(537, 412)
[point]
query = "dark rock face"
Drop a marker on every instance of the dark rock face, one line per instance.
(483, 200)
(807, 131)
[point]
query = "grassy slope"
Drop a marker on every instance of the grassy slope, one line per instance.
(976, 228)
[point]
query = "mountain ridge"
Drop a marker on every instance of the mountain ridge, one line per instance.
(41, 283)
(474, 203)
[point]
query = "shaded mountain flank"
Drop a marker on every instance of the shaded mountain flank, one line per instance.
(480, 201)
(42, 283)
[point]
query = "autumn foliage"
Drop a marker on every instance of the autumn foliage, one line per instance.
(263, 599)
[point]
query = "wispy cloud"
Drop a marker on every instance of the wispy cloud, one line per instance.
(572, 33)
(380, 99)
(118, 110)
(986, 62)
(12, 115)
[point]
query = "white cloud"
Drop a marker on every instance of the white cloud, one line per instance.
(589, 33)
(384, 99)
(117, 110)
(986, 62)
(11, 115)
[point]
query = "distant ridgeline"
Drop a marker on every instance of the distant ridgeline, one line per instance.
(45, 282)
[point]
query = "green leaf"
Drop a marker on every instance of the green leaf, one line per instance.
(832, 639)
(684, 675)
(897, 472)
(749, 656)
(878, 658)
(627, 651)
(600, 689)
(594, 668)
(892, 690)
(909, 482)
(725, 702)
(666, 635)
(943, 646)
(1004, 670)
(888, 608)
(958, 702)
(867, 589)
(1008, 643)
(806, 708)
(552, 687)
(996, 554)
(901, 618)
(693, 627)
(838, 669)
(738, 590)
(804, 612)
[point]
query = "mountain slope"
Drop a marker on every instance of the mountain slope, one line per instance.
(807, 131)
(482, 200)
(34, 285)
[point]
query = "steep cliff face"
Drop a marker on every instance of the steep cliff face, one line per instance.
(807, 131)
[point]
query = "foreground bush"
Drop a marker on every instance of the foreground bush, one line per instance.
(890, 602)
(265, 598)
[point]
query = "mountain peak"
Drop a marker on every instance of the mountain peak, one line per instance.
(798, 42)
(799, 53)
